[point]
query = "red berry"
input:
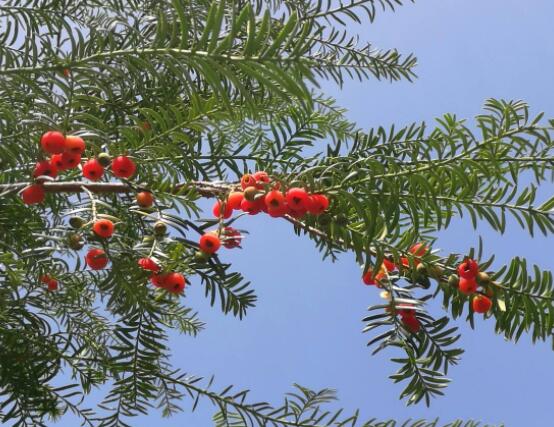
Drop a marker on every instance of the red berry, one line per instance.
(70, 160)
(145, 199)
(56, 160)
(317, 204)
(252, 208)
(247, 180)
(389, 265)
(297, 213)
(45, 278)
(419, 249)
(297, 199)
(45, 168)
(467, 285)
(261, 179)
(33, 194)
(96, 259)
(231, 238)
(175, 283)
(368, 278)
(93, 170)
(123, 167)
(235, 199)
(158, 280)
(148, 264)
(209, 243)
(217, 210)
(468, 269)
(411, 323)
(53, 142)
(481, 304)
(103, 228)
(276, 203)
(52, 285)
(74, 144)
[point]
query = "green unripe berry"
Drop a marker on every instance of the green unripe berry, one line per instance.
(421, 269)
(76, 222)
(483, 278)
(75, 241)
(453, 281)
(201, 256)
(104, 159)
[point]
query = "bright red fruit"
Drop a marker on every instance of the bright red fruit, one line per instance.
(158, 280)
(411, 323)
(52, 285)
(297, 199)
(261, 179)
(252, 208)
(74, 144)
(70, 160)
(33, 194)
(209, 243)
(96, 259)
(468, 269)
(45, 278)
(247, 180)
(222, 211)
(148, 264)
(368, 278)
(481, 304)
(56, 160)
(235, 199)
(276, 203)
(317, 204)
(123, 167)
(103, 228)
(93, 170)
(297, 213)
(467, 285)
(145, 199)
(53, 142)
(175, 283)
(45, 168)
(231, 238)
(389, 265)
(419, 249)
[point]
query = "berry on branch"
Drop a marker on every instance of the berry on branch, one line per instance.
(93, 170)
(74, 144)
(103, 228)
(467, 286)
(468, 269)
(123, 167)
(221, 209)
(235, 199)
(45, 168)
(53, 142)
(33, 194)
(96, 259)
(209, 243)
(481, 303)
(145, 199)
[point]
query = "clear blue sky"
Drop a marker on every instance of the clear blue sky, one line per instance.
(307, 325)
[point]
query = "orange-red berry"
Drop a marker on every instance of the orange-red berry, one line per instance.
(219, 210)
(45, 168)
(96, 259)
(148, 264)
(45, 278)
(318, 204)
(235, 199)
(175, 283)
(368, 278)
(53, 142)
(389, 265)
(419, 249)
(123, 167)
(145, 199)
(252, 208)
(103, 228)
(93, 170)
(52, 285)
(70, 160)
(56, 160)
(261, 178)
(209, 243)
(33, 194)
(74, 144)
(481, 303)
(297, 199)
(276, 203)
(468, 269)
(158, 280)
(467, 285)
(247, 180)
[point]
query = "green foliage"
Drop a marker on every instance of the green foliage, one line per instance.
(199, 93)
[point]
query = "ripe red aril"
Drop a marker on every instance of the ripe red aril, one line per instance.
(297, 199)
(467, 285)
(33, 194)
(468, 269)
(45, 168)
(235, 199)
(175, 283)
(70, 160)
(93, 170)
(209, 243)
(53, 142)
(145, 199)
(481, 303)
(148, 264)
(103, 228)
(221, 209)
(74, 144)
(96, 259)
(123, 167)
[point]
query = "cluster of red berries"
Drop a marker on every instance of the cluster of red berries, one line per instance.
(50, 282)
(467, 284)
(371, 278)
(171, 281)
(66, 154)
(259, 194)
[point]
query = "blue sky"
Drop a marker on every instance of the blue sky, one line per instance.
(307, 325)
